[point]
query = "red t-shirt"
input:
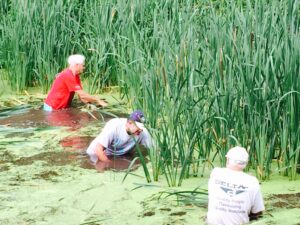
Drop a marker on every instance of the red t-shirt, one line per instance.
(63, 90)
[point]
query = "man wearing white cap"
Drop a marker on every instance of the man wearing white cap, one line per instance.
(66, 84)
(119, 136)
(234, 197)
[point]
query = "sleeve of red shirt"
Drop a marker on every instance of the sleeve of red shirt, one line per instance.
(74, 83)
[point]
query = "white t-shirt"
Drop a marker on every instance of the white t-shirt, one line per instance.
(116, 140)
(232, 195)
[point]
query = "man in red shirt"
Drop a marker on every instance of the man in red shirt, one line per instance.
(66, 84)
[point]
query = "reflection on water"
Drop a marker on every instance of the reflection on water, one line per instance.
(7, 112)
(119, 163)
(74, 118)
(116, 164)
(79, 144)
(76, 143)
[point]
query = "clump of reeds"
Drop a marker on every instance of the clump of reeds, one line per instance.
(208, 74)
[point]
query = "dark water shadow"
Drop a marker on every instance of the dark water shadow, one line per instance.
(50, 158)
(79, 144)
(120, 163)
(74, 158)
(288, 201)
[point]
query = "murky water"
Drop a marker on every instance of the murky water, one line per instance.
(27, 117)
(22, 124)
(46, 178)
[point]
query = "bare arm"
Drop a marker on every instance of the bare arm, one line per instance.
(85, 97)
(101, 154)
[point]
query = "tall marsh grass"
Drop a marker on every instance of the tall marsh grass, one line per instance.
(208, 74)
(213, 75)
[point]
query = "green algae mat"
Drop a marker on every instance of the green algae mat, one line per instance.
(46, 178)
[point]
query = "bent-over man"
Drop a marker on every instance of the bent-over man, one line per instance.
(118, 137)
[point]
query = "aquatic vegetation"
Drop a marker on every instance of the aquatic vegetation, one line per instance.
(213, 77)
(46, 178)
(208, 74)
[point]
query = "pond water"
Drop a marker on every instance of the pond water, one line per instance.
(46, 178)
(25, 124)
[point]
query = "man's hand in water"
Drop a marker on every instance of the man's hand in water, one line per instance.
(255, 216)
(87, 98)
(101, 154)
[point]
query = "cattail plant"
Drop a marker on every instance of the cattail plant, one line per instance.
(209, 75)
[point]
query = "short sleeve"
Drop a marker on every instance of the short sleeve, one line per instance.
(258, 204)
(73, 83)
(106, 136)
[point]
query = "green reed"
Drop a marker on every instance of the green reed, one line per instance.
(209, 75)
(38, 36)
(243, 64)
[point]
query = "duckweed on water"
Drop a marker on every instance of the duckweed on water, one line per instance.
(46, 179)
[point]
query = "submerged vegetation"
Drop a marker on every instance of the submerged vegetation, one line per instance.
(208, 74)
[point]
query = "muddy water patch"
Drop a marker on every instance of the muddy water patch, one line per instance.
(122, 163)
(57, 138)
(50, 158)
(4, 168)
(76, 143)
(74, 118)
(6, 156)
(19, 134)
(288, 201)
(80, 144)
(46, 175)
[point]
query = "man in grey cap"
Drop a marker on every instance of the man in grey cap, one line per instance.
(119, 136)
(234, 197)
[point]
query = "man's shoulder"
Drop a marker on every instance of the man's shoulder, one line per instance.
(66, 73)
(252, 179)
(217, 171)
(116, 121)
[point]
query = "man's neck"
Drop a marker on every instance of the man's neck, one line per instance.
(73, 70)
(234, 168)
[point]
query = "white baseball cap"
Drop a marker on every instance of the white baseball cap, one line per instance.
(238, 155)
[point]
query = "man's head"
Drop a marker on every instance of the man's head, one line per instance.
(76, 63)
(237, 158)
(132, 127)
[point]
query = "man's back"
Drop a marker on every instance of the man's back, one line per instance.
(63, 89)
(232, 196)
